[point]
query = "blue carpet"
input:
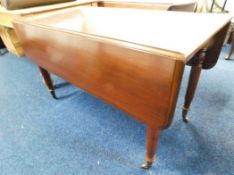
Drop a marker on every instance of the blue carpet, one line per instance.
(81, 135)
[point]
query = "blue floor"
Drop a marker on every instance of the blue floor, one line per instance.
(81, 135)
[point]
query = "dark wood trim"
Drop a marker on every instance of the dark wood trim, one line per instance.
(176, 82)
(48, 81)
(214, 48)
(228, 57)
(193, 82)
(151, 146)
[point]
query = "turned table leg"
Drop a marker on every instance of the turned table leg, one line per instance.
(192, 85)
(193, 82)
(228, 57)
(48, 81)
(151, 145)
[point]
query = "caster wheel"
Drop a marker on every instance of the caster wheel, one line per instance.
(146, 165)
(185, 119)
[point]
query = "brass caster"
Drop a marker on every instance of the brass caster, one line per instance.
(184, 115)
(227, 58)
(146, 165)
(53, 95)
(185, 119)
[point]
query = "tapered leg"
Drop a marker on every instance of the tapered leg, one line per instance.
(48, 81)
(193, 82)
(151, 145)
(228, 57)
(192, 85)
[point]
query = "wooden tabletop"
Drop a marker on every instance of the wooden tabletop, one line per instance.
(174, 34)
(172, 2)
(7, 16)
(38, 9)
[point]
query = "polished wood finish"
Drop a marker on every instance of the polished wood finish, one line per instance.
(134, 5)
(205, 59)
(228, 57)
(151, 143)
(124, 80)
(7, 32)
(193, 82)
(19, 4)
(215, 47)
(112, 57)
(8, 16)
(96, 26)
(152, 140)
(47, 81)
(174, 5)
(11, 41)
